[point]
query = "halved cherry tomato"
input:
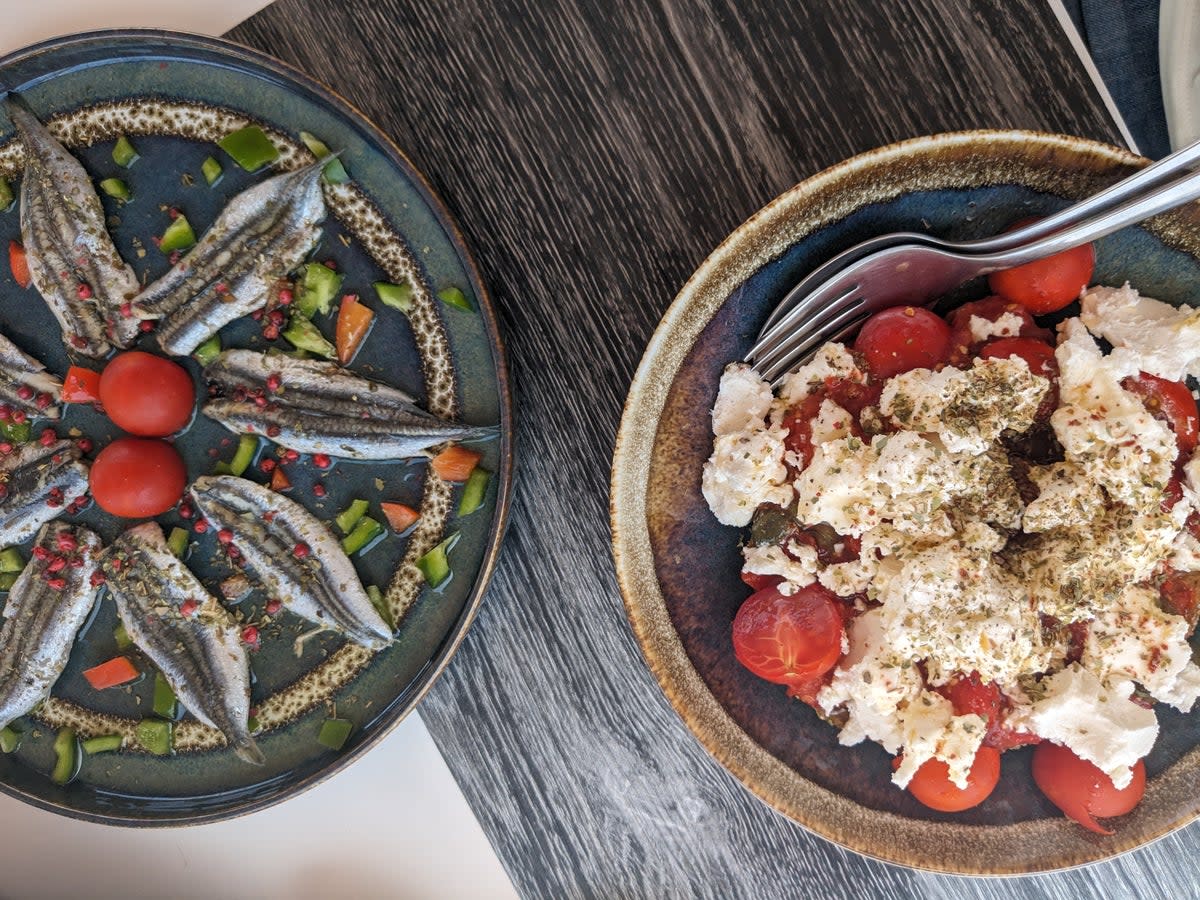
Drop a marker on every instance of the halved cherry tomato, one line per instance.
(903, 338)
(1040, 358)
(353, 322)
(963, 343)
(932, 785)
(788, 639)
(1170, 402)
(1180, 593)
(81, 386)
(455, 463)
(969, 694)
(757, 582)
(146, 394)
(1046, 285)
(118, 670)
(18, 264)
(798, 422)
(136, 477)
(1080, 789)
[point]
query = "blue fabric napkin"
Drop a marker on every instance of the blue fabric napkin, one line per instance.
(1122, 36)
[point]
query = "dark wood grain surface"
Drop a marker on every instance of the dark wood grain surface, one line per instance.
(594, 153)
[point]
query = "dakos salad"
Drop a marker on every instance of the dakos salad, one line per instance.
(977, 533)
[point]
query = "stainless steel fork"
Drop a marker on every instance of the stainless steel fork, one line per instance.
(909, 267)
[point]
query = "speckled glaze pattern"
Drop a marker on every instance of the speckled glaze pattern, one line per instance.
(678, 568)
(177, 94)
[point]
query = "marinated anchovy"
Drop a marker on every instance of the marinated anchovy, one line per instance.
(264, 233)
(293, 556)
(186, 633)
(36, 483)
(72, 260)
(46, 607)
(25, 384)
(318, 407)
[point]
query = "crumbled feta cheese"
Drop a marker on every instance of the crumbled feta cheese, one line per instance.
(968, 408)
(770, 559)
(743, 401)
(1066, 497)
(1135, 639)
(1164, 339)
(849, 578)
(831, 361)
(1185, 553)
(1105, 430)
(957, 610)
(1007, 325)
(831, 424)
(932, 731)
(1101, 724)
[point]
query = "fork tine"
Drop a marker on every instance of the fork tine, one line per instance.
(807, 340)
(812, 311)
(841, 335)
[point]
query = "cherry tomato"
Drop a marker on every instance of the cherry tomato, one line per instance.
(146, 394)
(788, 639)
(969, 694)
(1180, 593)
(798, 422)
(932, 785)
(1046, 285)
(757, 582)
(903, 338)
(1040, 358)
(136, 477)
(963, 343)
(1170, 402)
(1080, 789)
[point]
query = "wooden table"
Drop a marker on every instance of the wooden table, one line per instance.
(594, 153)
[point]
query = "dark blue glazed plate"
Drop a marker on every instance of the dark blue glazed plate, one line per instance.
(678, 567)
(173, 96)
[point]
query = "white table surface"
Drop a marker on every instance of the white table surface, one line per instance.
(392, 825)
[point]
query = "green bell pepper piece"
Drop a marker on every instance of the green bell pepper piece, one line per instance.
(247, 447)
(164, 697)
(211, 170)
(435, 565)
(474, 491)
(363, 534)
(178, 541)
(116, 188)
(304, 335)
(123, 153)
(121, 636)
(10, 739)
(318, 287)
(66, 756)
(348, 518)
(156, 735)
(452, 296)
(208, 351)
(104, 743)
(178, 236)
(6, 194)
(250, 148)
(334, 172)
(375, 595)
(14, 433)
(334, 732)
(397, 296)
(8, 579)
(10, 560)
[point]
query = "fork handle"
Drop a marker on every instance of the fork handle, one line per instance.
(1141, 182)
(1168, 196)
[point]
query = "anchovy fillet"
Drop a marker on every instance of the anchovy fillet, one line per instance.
(186, 633)
(72, 260)
(46, 607)
(317, 407)
(293, 556)
(264, 233)
(25, 384)
(36, 483)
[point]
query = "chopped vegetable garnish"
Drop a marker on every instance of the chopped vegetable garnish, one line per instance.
(10, 560)
(474, 492)
(253, 725)
(452, 296)
(6, 194)
(81, 386)
(123, 153)
(348, 518)
(399, 516)
(178, 541)
(118, 670)
(334, 172)
(121, 636)
(116, 188)
(16, 433)
(279, 480)
(208, 351)
(334, 732)
(104, 743)
(164, 697)
(455, 463)
(363, 534)
(435, 565)
(353, 322)
(250, 148)
(10, 739)
(304, 335)
(247, 447)
(211, 170)
(318, 286)
(156, 735)
(18, 264)
(397, 296)
(375, 595)
(178, 236)
(8, 579)
(66, 756)
(222, 468)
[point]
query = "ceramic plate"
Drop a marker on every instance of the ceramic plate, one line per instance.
(173, 95)
(679, 568)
